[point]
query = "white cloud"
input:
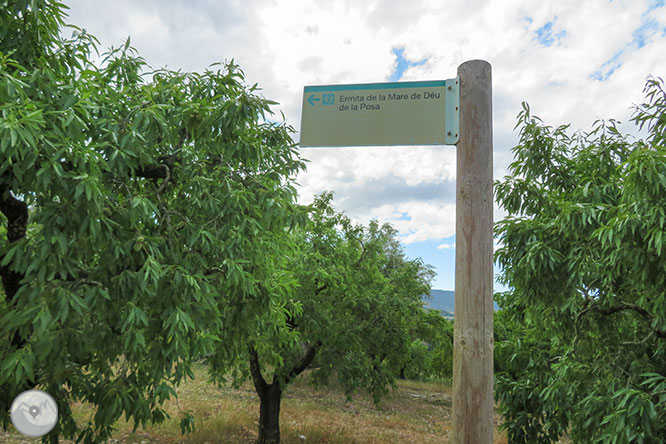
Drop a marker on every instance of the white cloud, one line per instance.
(427, 220)
(284, 45)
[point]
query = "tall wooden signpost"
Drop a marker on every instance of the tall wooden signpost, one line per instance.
(456, 111)
(473, 322)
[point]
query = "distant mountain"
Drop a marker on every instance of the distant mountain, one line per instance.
(444, 301)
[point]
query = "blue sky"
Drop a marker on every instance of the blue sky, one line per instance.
(402, 64)
(441, 259)
(573, 62)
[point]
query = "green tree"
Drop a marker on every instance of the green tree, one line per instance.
(431, 352)
(357, 300)
(141, 217)
(581, 338)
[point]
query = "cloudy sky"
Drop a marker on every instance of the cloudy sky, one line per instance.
(573, 61)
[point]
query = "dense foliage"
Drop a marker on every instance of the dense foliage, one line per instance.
(581, 338)
(148, 219)
(357, 301)
(430, 354)
(142, 215)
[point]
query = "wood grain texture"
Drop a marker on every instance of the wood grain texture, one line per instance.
(473, 330)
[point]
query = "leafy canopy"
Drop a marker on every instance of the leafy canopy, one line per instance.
(355, 307)
(141, 214)
(430, 353)
(581, 338)
(356, 303)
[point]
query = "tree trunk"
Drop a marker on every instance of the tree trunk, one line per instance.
(271, 394)
(269, 414)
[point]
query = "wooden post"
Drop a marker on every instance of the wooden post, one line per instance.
(473, 331)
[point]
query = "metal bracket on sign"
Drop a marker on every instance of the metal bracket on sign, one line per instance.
(452, 112)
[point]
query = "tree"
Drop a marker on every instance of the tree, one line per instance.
(431, 351)
(581, 338)
(356, 302)
(141, 217)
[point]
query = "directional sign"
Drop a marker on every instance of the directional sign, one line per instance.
(397, 113)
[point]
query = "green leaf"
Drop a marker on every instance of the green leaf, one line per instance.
(7, 258)
(69, 101)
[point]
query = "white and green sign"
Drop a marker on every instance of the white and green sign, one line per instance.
(397, 113)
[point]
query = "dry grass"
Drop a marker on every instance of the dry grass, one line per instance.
(417, 412)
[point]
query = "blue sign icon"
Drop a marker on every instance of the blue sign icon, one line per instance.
(328, 99)
(313, 98)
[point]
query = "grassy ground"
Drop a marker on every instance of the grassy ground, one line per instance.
(417, 412)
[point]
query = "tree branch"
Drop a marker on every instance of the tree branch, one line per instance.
(638, 343)
(260, 384)
(623, 306)
(363, 250)
(165, 181)
(304, 364)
